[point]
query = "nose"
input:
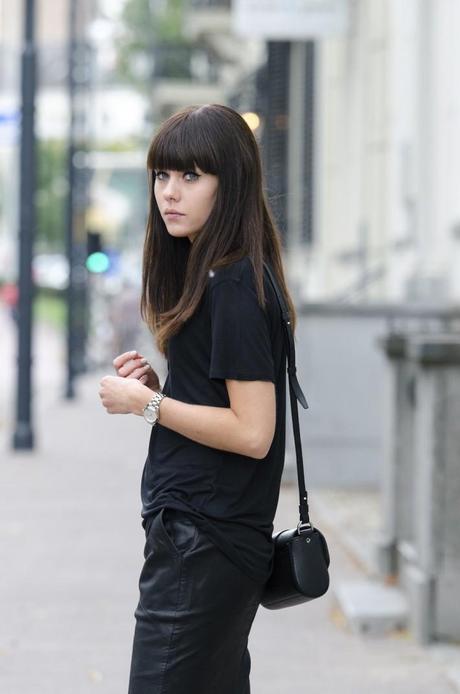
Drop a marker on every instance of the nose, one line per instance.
(171, 189)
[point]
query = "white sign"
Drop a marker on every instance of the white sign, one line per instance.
(289, 20)
(9, 126)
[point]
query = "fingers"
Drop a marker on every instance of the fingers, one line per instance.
(139, 372)
(133, 366)
(126, 356)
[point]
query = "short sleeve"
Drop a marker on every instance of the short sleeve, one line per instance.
(241, 345)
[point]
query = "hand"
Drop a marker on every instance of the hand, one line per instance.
(134, 365)
(123, 395)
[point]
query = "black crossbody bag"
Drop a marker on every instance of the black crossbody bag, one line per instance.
(301, 556)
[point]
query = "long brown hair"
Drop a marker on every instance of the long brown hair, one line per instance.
(217, 140)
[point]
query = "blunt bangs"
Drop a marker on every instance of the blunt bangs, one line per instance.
(185, 142)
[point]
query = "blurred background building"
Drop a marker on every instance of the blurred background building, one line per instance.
(353, 104)
(356, 107)
(355, 112)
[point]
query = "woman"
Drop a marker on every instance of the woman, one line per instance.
(211, 480)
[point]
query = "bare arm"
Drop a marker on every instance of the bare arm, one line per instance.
(246, 427)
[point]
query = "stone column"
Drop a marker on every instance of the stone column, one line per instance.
(397, 472)
(420, 539)
(432, 574)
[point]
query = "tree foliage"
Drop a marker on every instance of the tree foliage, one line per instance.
(51, 195)
(146, 24)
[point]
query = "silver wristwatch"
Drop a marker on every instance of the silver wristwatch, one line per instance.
(152, 408)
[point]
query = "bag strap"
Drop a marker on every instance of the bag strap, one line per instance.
(295, 393)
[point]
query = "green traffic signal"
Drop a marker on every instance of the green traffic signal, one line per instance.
(97, 262)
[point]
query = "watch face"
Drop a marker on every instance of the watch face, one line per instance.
(150, 415)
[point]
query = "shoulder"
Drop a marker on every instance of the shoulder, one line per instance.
(235, 284)
(240, 272)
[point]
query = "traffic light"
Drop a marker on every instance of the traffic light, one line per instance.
(97, 260)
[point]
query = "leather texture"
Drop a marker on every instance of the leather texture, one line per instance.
(300, 569)
(195, 612)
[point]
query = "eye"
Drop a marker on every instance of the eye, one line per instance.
(160, 175)
(191, 176)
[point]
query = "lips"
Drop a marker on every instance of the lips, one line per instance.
(173, 213)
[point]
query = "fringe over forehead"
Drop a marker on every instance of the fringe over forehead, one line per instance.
(187, 140)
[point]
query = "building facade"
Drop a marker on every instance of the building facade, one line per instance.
(387, 156)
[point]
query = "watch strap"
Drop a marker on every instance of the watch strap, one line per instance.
(154, 403)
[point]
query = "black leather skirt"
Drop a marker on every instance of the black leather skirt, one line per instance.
(195, 612)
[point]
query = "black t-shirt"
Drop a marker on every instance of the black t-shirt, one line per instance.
(231, 497)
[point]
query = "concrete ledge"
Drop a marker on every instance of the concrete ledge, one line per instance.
(440, 311)
(372, 608)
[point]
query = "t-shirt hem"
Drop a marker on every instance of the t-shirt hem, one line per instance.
(242, 377)
(256, 576)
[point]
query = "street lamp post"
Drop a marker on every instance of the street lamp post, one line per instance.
(23, 435)
(70, 391)
(78, 181)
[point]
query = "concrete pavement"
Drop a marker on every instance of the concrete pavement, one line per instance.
(71, 548)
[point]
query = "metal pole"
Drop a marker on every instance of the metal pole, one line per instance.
(78, 180)
(70, 391)
(23, 435)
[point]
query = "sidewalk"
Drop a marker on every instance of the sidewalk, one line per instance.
(72, 547)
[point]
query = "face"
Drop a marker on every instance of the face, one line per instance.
(185, 200)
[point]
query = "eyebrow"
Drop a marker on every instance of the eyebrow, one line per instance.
(196, 169)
